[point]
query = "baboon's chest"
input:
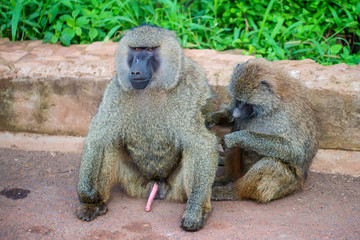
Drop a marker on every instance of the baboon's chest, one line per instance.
(155, 156)
(150, 139)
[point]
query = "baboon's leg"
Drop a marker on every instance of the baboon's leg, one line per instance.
(268, 179)
(200, 164)
(178, 185)
(223, 192)
(96, 181)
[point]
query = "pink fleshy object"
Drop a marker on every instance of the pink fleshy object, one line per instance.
(151, 197)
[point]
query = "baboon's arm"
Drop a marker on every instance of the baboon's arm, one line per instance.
(265, 144)
(200, 158)
(93, 168)
(103, 134)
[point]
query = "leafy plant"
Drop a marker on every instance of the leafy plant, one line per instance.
(324, 30)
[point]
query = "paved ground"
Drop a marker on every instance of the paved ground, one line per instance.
(327, 208)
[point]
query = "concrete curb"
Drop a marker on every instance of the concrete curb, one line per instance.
(51, 89)
(326, 160)
(41, 142)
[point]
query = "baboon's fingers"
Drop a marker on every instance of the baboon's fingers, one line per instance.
(90, 212)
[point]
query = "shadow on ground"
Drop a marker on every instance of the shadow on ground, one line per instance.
(43, 199)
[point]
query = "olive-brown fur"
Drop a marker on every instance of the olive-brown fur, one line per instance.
(156, 134)
(271, 148)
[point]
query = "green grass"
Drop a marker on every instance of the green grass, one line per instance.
(327, 31)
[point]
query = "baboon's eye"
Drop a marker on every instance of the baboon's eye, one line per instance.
(137, 49)
(150, 49)
(265, 83)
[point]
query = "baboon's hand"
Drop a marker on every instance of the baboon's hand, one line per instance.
(224, 144)
(221, 181)
(223, 193)
(190, 225)
(231, 140)
(88, 212)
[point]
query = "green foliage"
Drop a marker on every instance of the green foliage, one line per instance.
(324, 30)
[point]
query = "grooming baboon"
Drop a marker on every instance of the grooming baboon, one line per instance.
(274, 136)
(149, 128)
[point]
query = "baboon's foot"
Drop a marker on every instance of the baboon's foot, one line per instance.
(88, 212)
(223, 193)
(193, 223)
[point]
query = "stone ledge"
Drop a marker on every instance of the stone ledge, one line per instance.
(41, 142)
(325, 161)
(53, 89)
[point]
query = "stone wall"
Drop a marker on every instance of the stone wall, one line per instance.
(56, 90)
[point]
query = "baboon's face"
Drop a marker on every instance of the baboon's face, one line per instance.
(143, 63)
(252, 86)
(250, 83)
(148, 58)
(242, 110)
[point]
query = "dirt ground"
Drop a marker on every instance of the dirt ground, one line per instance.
(44, 187)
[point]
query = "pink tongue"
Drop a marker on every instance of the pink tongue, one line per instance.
(151, 197)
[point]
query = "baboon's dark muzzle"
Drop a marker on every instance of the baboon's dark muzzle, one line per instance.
(140, 84)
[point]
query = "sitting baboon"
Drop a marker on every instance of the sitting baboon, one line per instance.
(149, 128)
(274, 136)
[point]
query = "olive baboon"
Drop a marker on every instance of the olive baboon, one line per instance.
(149, 128)
(274, 136)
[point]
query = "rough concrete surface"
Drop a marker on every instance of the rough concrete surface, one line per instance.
(328, 207)
(53, 89)
(325, 161)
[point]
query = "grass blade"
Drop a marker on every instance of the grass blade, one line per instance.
(277, 28)
(289, 30)
(15, 18)
(111, 32)
(335, 16)
(275, 46)
(318, 48)
(268, 9)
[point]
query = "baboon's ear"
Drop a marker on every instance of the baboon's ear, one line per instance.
(239, 67)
